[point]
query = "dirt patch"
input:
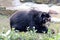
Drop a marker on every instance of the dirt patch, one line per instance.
(7, 12)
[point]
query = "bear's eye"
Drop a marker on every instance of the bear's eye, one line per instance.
(47, 15)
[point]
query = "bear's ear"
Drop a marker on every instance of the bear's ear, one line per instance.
(43, 14)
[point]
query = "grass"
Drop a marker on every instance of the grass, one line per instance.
(29, 35)
(4, 23)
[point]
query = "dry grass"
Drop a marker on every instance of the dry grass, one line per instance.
(4, 23)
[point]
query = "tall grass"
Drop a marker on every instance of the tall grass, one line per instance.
(29, 35)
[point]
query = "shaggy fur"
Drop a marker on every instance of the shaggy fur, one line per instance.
(22, 19)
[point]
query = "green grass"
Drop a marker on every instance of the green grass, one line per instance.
(29, 35)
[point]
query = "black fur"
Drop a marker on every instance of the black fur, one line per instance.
(23, 19)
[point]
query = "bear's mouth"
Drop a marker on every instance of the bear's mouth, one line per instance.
(47, 24)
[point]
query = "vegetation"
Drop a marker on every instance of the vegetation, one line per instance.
(30, 35)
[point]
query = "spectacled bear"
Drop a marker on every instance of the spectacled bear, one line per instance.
(20, 20)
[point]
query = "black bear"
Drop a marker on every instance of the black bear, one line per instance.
(20, 20)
